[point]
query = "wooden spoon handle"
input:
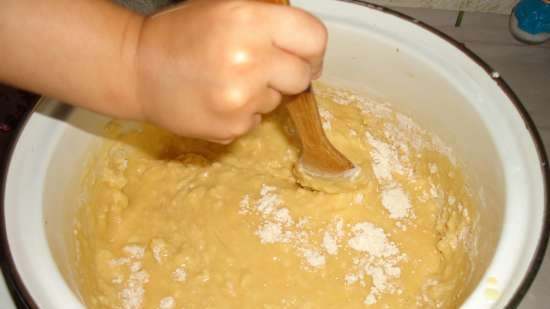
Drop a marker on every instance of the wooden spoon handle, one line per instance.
(304, 113)
(305, 116)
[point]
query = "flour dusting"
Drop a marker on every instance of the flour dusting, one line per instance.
(396, 202)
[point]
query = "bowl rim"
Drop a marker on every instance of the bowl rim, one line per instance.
(23, 298)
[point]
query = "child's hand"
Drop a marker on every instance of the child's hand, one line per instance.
(210, 68)
(207, 69)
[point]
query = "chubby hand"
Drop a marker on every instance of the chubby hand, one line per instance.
(209, 69)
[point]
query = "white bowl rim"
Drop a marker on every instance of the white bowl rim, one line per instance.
(23, 298)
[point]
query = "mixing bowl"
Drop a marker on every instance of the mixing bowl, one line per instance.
(372, 50)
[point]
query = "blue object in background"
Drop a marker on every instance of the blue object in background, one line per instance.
(530, 21)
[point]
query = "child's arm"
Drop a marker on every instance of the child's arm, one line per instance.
(79, 51)
(205, 69)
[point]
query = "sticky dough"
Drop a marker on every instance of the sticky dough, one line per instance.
(168, 222)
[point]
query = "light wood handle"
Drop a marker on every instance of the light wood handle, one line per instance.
(304, 113)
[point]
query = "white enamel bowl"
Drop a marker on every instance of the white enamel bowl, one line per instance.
(424, 74)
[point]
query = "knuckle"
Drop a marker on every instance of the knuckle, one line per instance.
(303, 79)
(241, 11)
(240, 128)
(242, 63)
(226, 136)
(322, 35)
(276, 99)
(238, 58)
(232, 98)
(317, 38)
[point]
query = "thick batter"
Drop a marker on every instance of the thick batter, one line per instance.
(168, 222)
